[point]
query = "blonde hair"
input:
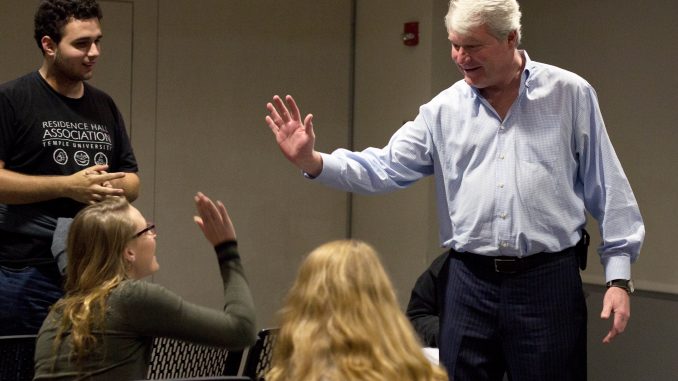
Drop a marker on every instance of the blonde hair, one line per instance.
(96, 243)
(341, 321)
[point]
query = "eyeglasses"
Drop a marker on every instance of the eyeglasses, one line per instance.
(150, 228)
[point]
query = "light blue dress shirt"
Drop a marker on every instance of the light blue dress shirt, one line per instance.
(517, 186)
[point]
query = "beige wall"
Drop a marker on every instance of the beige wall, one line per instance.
(192, 79)
(19, 50)
(392, 80)
(192, 83)
(218, 65)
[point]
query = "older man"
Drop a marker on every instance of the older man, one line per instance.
(519, 152)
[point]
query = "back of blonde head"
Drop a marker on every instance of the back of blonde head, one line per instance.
(341, 321)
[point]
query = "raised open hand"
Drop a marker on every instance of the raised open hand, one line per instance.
(295, 138)
(213, 220)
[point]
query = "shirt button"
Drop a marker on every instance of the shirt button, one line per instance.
(502, 215)
(500, 185)
(503, 244)
(501, 156)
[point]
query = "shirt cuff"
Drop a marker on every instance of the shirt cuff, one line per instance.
(331, 168)
(617, 267)
(227, 251)
(324, 171)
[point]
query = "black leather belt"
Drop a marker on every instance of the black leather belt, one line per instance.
(512, 265)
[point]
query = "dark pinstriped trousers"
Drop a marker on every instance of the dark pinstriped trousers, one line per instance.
(530, 325)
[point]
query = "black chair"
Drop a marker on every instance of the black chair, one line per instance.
(221, 378)
(218, 378)
(177, 359)
(16, 357)
(258, 360)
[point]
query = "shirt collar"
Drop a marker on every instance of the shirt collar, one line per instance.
(525, 76)
(528, 68)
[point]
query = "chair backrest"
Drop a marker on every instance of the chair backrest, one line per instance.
(220, 378)
(259, 355)
(172, 358)
(217, 378)
(16, 357)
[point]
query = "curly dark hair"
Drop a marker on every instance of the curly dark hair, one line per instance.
(52, 15)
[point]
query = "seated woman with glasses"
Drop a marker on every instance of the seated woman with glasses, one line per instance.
(103, 328)
(341, 321)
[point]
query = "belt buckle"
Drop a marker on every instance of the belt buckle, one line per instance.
(497, 266)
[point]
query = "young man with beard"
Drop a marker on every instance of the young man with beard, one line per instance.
(63, 145)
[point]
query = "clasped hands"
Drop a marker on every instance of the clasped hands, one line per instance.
(93, 184)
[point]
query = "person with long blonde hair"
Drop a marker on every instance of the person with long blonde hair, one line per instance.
(341, 321)
(103, 328)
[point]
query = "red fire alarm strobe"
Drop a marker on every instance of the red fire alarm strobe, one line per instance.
(411, 33)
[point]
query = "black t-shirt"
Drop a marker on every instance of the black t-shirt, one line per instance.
(45, 133)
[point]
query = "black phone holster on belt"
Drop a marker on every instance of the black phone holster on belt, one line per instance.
(582, 249)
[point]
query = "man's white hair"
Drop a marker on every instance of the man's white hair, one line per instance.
(500, 16)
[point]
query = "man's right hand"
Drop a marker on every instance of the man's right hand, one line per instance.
(92, 184)
(295, 138)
